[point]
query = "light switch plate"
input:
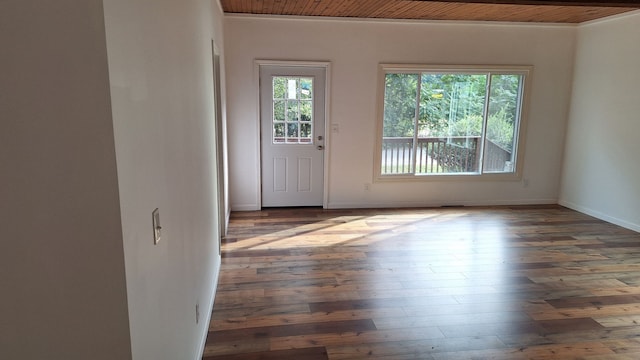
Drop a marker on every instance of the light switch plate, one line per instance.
(155, 216)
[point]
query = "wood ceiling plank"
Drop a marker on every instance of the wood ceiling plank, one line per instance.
(501, 12)
(278, 7)
(592, 3)
(311, 7)
(229, 6)
(289, 5)
(470, 10)
(411, 12)
(256, 6)
(246, 5)
(388, 10)
(298, 7)
(374, 7)
(333, 8)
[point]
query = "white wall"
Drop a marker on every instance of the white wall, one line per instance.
(62, 276)
(355, 49)
(97, 128)
(601, 168)
(160, 64)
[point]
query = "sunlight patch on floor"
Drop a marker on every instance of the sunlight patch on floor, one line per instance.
(340, 230)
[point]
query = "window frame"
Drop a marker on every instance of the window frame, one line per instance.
(526, 71)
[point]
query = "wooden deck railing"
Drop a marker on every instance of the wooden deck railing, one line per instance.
(439, 155)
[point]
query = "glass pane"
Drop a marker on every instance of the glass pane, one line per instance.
(306, 87)
(278, 110)
(292, 89)
(450, 123)
(502, 124)
(305, 111)
(292, 132)
(279, 87)
(400, 98)
(278, 133)
(305, 133)
(292, 110)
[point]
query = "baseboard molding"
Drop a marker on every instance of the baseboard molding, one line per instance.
(209, 310)
(227, 219)
(413, 204)
(597, 214)
(245, 207)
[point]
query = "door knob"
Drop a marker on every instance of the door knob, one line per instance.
(319, 147)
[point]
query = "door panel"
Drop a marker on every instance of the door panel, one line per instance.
(292, 135)
(304, 174)
(279, 174)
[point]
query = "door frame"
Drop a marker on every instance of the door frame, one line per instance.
(327, 149)
(221, 158)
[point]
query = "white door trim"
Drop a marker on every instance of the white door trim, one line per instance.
(327, 155)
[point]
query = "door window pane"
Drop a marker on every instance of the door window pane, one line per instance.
(305, 133)
(278, 110)
(305, 88)
(279, 87)
(292, 110)
(292, 132)
(305, 110)
(278, 133)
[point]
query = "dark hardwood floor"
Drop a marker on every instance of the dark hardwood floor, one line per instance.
(529, 282)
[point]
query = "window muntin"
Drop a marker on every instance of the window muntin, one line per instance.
(292, 110)
(450, 121)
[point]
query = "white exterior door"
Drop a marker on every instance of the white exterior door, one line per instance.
(292, 111)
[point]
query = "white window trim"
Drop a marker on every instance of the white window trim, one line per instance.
(525, 70)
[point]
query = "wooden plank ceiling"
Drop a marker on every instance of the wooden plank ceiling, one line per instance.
(472, 10)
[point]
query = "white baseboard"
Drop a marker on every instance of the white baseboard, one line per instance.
(410, 204)
(208, 310)
(597, 214)
(245, 207)
(227, 219)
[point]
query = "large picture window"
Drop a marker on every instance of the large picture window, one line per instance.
(451, 120)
